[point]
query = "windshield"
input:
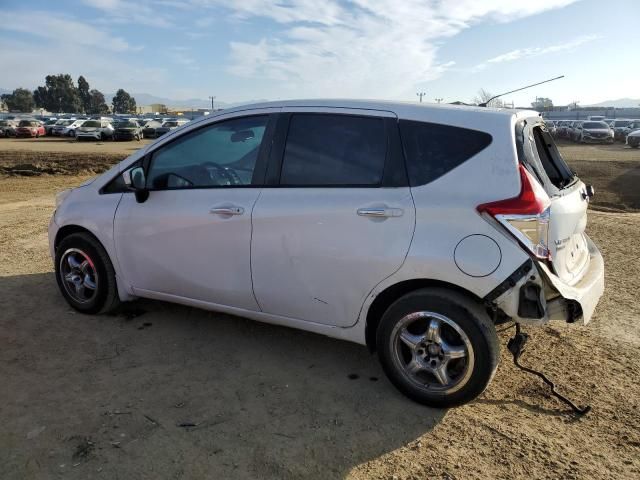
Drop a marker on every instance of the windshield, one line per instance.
(170, 124)
(26, 123)
(91, 124)
(153, 124)
(594, 125)
(621, 123)
(127, 125)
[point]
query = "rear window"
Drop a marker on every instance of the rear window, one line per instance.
(594, 125)
(433, 149)
(538, 152)
(334, 150)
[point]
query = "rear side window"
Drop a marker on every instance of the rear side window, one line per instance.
(334, 150)
(433, 149)
(552, 162)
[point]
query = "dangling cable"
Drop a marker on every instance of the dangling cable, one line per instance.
(516, 347)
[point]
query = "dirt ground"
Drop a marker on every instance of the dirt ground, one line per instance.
(164, 391)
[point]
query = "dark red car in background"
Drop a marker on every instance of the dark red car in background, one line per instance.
(30, 128)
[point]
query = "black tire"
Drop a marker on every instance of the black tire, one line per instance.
(476, 370)
(105, 299)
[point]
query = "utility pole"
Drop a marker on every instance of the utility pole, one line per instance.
(439, 100)
(212, 99)
(421, 94)
(575, 107)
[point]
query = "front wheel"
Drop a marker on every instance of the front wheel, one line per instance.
(438, 347)
(85, 274)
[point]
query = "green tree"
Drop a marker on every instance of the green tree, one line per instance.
(97, 104)
(83, 93)
(123, 102)
(542, 103)
(59, 94)
(21, 100)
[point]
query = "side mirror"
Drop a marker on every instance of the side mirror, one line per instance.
(136, 181)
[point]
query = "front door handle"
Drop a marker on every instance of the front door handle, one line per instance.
(227, 210)
(380, 212)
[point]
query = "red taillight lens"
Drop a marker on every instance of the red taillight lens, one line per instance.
(526, 216)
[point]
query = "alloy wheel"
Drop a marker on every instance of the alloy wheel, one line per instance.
(432, 352)
(79, 276)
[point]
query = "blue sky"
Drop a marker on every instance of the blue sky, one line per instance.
(257, 49)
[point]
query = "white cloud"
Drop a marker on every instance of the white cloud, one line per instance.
(63, 29)
(26, 65)
(369, 48)
(537, 51)
(140, 12)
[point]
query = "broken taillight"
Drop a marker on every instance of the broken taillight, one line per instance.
(526, 216)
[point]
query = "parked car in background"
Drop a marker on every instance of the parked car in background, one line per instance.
(169, 125)
(631, 127)
(70, 130)
(411, 229)
(149, 130)
(594, 132)
(551, 127)
(563, 128)
(95, 129)
(573, 130)
(48, 126)
(633, 139)
(618, 127)
(129, 130)
(60, 125)
(30, 128)
(8, 128)
(596, 118)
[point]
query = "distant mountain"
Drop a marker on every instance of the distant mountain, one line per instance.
(619, 103)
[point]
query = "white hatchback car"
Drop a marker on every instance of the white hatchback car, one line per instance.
(412, 229)
(95, 129)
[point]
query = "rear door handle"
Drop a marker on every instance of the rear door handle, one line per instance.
(380, 212)
(227, 210)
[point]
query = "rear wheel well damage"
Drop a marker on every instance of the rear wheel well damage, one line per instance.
(385, 298)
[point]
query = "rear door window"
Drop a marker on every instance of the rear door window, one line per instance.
(334, 150)
(538, 152)
(433, 149)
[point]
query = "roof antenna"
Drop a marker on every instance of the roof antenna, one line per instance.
(484, 104)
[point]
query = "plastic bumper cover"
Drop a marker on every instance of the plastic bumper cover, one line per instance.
(588, 290)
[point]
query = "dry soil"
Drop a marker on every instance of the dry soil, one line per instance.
(164, 391)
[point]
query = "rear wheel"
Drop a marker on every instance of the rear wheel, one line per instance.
(438, 347)
(85, 274)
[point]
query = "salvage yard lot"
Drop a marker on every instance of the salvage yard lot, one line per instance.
(164, 391)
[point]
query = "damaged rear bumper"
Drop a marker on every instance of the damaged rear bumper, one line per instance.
(534, 295)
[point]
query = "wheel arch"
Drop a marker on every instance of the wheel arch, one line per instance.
(68, 230)
(124, 289)
(393, 292)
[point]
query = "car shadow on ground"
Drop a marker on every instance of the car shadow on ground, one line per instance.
(161, 390)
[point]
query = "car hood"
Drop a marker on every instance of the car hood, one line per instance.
(87, 129)
(635, 133)
(596, 130)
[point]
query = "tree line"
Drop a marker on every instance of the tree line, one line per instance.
(60, 94)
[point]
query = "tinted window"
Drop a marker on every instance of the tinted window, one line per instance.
(223, 154)
(334, 150)
(433, 149)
